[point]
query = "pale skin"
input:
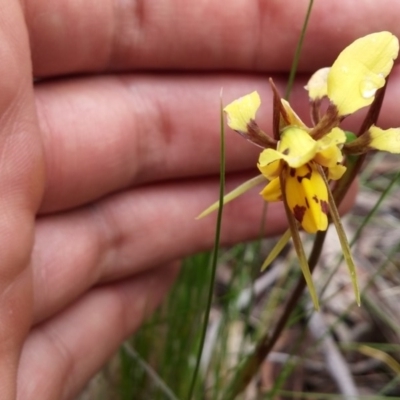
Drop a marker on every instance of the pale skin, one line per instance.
(101, 175)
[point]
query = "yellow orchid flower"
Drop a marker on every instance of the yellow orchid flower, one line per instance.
(295, 157)
(299, 161)
(306, 193)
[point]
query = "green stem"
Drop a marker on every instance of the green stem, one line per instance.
(297, 53)
(267, 342)
(214, 256)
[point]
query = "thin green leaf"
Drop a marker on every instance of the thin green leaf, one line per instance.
(299, 48)
(214, 256)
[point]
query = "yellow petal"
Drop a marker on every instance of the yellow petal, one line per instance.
(384, 139)
(307, 197)
(269, 163)
(297, 146)
(317, 86)
(360, 70)
(272, 192)
(329, 157)
(336, 172)
(242, 111)
(329, 154)
(335, 137)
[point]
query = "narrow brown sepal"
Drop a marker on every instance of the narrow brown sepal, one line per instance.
(358, 146)
(279, 116)
(330, 120)
(294, 231)
(257, 136)
(315, 106)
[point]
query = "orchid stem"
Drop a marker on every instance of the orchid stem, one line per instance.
(252, 363)
(267, 342)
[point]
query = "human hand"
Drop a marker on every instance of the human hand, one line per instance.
(102, 175)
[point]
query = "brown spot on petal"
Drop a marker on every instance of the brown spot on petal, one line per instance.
(292, 172)
(324, 207)
(315, 198)
(298, 212)
(307, 203)
(286, 151)
(306, 176)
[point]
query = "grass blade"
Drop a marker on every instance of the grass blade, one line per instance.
(214, 256)
(299, 47)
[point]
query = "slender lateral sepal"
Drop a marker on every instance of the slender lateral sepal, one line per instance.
(233, 194)
(279, 115)
(343, 240)
(282, 242)
(298, 245)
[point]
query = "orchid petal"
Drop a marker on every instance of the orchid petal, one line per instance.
(384, 139)
(360, 70)
(307, 197)
(269, 163)
(297, 146)
(317, 86)
(336, 172)
(272, 192)
(242, 111)
(329, 154)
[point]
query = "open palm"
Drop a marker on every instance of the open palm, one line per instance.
(107, 158)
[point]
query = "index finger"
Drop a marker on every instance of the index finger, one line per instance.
(75, 36)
